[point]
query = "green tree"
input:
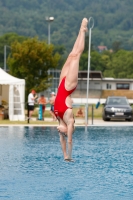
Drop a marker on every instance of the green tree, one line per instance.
(120, 65)
(7, 39)
(113, 20)
(116, 46)
(97, 61)
(61, 50)
(31, 61)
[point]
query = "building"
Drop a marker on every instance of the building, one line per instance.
(102, 48)
(99, 87)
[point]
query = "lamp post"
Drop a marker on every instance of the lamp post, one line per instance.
(49, 20)
(5, 47)
(91, 25)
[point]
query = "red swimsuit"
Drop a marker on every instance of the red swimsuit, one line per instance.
(60, 106)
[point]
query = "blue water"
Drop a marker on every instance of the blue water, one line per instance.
(32, 165)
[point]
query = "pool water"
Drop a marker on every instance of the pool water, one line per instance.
(32, 165)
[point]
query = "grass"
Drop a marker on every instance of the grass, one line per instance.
(97, 115)
(97, 112)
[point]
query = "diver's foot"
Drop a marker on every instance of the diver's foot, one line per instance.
(69, 160)
(84, 24)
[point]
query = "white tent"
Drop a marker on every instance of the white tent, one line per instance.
(12, 90)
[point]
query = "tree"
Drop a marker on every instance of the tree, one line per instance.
(96, 61)
(116, 46)
(8, 39)
(120, 65)
(111, 20)
(31, 61)
(60, 49)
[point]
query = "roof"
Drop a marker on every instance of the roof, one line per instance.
(7, 79)
(102, 48)
(92, 74)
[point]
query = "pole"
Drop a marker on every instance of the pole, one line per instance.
(87, 93)
(92, 114)
(49, 20)
(48, 32)
(28, 118)
(5, 58)
(5, 48)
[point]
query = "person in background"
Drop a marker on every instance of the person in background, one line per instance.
(31, 102)
(51, 101)
(80, 112)
(42, 101)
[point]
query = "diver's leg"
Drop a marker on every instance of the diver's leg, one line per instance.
(63, 145)
(72, 75)
(69, 120)
(77, 48)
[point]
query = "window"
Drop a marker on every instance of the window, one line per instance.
(108, 86)
(122, 86)
(117, 101)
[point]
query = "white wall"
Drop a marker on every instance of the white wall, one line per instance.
(104, 85)
(131, 86)
(93, 84)
(98, 84)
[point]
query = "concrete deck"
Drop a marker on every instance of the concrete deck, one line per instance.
(78, 122)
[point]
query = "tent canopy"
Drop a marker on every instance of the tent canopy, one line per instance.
(12, 90)
(6, 78)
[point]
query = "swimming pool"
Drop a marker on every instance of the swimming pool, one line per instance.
(32, 165)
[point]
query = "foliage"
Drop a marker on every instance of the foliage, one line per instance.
(31, 60)
(120, 65)
(7, 39)
(113, 24)
(113, 20)
(117, 64)
(61, 51)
